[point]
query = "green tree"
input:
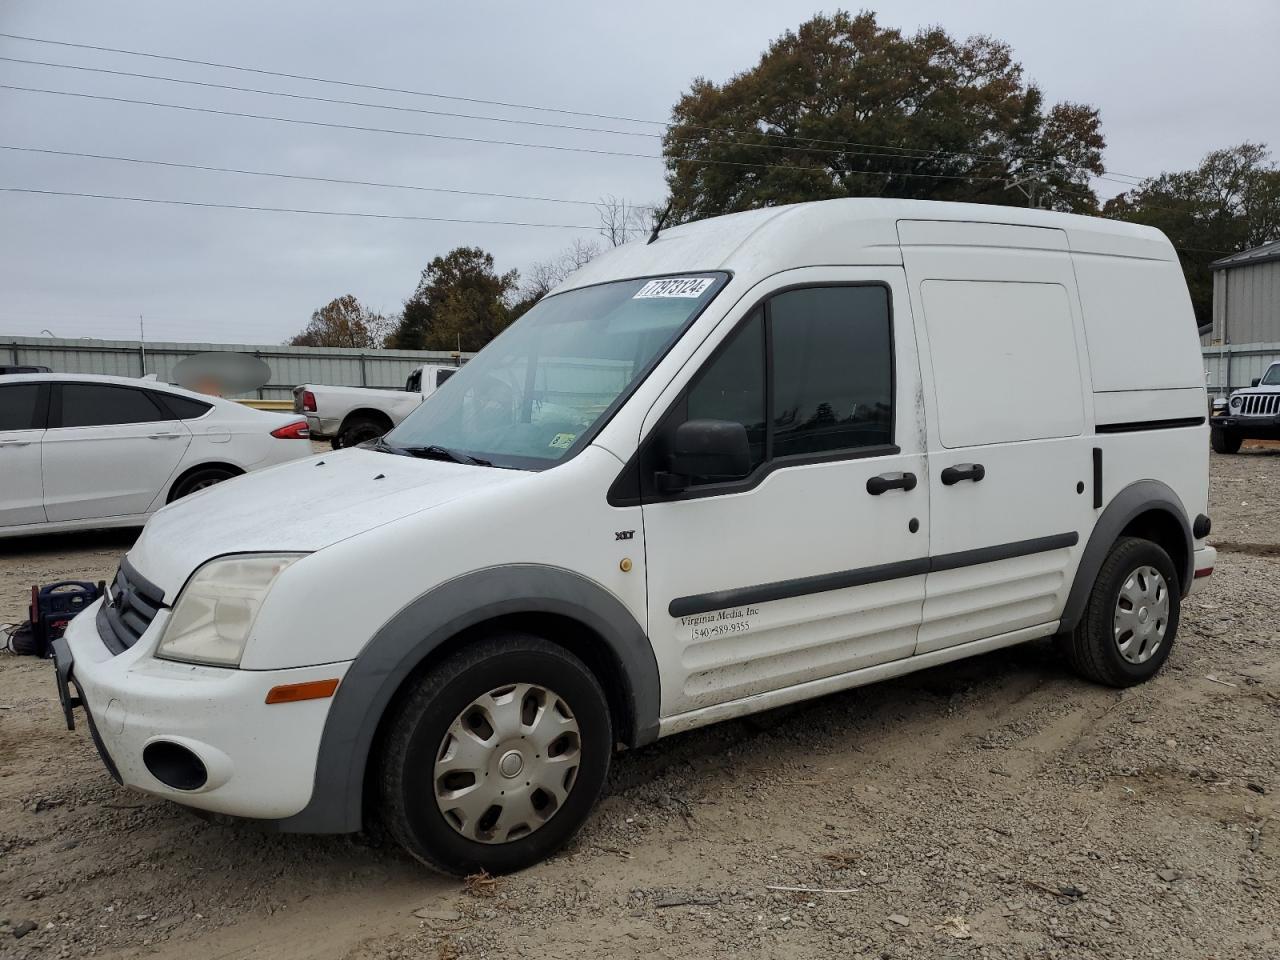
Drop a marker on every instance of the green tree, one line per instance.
(843, 107)
(461, 302)
(344, 322)
(1230, 202)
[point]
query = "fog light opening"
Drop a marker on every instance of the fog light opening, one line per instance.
(174, 765)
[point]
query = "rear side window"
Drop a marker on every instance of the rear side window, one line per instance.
(19, 407)
(100, 404)
(442, 376)
(184, 408)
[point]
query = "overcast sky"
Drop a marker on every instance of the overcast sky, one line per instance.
(1173, 79)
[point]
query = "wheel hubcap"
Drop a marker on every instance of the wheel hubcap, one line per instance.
(507, 763)
(1142, 615)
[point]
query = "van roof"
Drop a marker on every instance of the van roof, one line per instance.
(854, 231)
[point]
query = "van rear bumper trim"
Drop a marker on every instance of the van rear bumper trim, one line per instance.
(802, 586)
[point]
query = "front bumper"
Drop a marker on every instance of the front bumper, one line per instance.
(260, 759)
(1257, 428)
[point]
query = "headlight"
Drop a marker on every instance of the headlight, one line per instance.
(1235, 401)
(216, 609)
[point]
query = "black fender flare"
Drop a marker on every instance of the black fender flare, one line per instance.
(403, 642)
(1134, 500)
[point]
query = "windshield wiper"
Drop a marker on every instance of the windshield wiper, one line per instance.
(382, 446)
(436, 452)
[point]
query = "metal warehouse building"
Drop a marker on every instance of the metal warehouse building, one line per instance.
(1245, 338)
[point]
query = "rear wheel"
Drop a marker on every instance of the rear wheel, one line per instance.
(497, 757)
(1130, 619)
(358, 430)
(199, 480)
(1224, 441)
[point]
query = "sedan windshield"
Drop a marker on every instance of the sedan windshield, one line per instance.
(539, 390)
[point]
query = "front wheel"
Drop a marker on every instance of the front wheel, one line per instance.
(1130, 619)
(1223, 441)
(497, 757)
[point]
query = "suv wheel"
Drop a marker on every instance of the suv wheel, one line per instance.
(1130, 619)
(496, 758)
(1224, 441)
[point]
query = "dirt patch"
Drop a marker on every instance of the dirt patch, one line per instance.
(994, 808)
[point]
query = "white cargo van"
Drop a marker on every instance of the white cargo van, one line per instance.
(762, 458)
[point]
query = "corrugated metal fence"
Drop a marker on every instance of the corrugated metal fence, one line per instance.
(1235, 365)
(290, 366)
(1229, 367)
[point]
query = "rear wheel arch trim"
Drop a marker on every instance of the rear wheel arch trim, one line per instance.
(402, 643)
(1144, 496)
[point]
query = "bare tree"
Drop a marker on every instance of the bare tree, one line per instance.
(622, 220)
(542, 277)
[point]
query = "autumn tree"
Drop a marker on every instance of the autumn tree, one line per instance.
(344, 322)
(843, 107)
(1230, 202)
(461, 303)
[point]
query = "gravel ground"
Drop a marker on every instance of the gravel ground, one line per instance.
(993, 808)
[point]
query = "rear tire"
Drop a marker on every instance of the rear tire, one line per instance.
(199, 479)
(359, 430)
(497, 756)
(1223, 441)
(1130, 619)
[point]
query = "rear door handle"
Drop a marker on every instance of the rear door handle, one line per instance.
(163, 436)
(963, 471)
(15, 443)
(891, 481)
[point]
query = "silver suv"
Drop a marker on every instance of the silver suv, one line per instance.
(1252, 414)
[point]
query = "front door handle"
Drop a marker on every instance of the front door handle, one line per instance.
(891, 481)
(163, 436)
(963, 471)
(15, 443)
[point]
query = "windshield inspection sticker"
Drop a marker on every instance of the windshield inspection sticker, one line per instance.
(692, 287)
(563, 441)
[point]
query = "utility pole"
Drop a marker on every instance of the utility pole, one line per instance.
(142, 345)
(1028, 184)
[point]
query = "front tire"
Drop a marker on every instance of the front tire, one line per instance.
(497, 757)
(1130, 619)
(1223, 441)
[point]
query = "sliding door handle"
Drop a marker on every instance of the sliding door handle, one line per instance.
(891, 481)
(963, 471)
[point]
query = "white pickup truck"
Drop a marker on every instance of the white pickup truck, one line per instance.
(350, 415)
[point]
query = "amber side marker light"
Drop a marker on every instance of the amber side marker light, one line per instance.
(293, 692)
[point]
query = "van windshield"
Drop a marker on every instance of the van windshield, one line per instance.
(539, 390)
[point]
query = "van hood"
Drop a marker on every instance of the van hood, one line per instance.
(301, 506)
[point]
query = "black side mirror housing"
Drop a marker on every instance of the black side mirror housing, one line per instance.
(710, 450)
(1256, 381)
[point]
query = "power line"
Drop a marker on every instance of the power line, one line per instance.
(293, 176)
(318, 213)
(484, 140)
(919, 153)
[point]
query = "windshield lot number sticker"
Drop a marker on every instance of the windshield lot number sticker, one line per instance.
(691, 287)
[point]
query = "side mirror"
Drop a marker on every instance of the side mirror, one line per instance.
(1256, 381)
(707, 450)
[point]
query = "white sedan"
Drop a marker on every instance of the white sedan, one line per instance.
(81, 452)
